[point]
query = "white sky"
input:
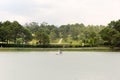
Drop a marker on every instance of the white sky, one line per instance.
(60, 12)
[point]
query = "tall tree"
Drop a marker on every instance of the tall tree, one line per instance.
(16, 30)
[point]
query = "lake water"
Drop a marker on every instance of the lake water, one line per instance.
(67, 66)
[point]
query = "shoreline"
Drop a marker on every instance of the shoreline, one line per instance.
(84, 49)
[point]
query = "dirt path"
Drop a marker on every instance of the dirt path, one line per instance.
(60, 40)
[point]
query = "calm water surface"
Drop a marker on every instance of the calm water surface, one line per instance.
(67, 66)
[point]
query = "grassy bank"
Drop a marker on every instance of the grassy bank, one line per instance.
(99, 49)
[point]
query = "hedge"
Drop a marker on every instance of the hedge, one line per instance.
(42, 46)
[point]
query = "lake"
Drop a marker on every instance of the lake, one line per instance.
(66, 66)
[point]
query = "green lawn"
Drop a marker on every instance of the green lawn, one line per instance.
(99, 49)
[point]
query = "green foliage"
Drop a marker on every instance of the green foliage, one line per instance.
(111, 34)
(3, 34)
(115, 25)
(116, 40)
(11, 31)
(32, 27)
(42, 38)
(50, 30)
(108, 33)
(70, 33)
(73, 34)
(19, 40)
(27, 35)
(77, 32)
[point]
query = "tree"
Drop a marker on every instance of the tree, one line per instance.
(3, 34)
(27, 35)
(52, 36)
(42, 38)
(107, 34)
(111, 34)
(115, 25)
(16, 30)
(13, 31)
(5, 31)
(116, 40)
(32, 27)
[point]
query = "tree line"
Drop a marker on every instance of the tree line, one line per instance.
(44, 34)
(71, 33)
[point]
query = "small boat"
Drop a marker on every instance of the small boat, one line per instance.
(59, 52)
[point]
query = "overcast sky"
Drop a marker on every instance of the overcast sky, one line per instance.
(60, 12)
